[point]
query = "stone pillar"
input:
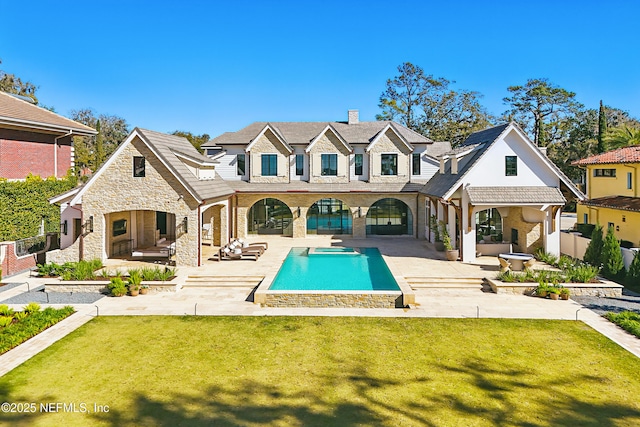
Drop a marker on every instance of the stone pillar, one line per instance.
(421, 217)
(359, 222)
(241, 220)
(223, 224)
(451, 225)
(299, 222)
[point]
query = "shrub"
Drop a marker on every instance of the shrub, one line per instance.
(627, 320)
(542, 289)
(5, 321)
(117, 287)
(134, 279)
(626, 244)
(633, 275)
(19, 315)
(593, 254)
(167, 274)
(612, 263)
(546, 257)
(583, 273)
(506, 276)
(5, 310)
(585, 229)
(32, 307)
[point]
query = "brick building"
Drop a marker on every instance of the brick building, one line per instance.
(34, 140)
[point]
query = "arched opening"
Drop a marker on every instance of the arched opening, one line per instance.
(389, 217)
(329, 216)
(489, 226)
(270, 216)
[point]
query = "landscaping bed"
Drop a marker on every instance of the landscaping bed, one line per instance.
(18, 326)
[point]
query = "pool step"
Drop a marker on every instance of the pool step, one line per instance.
(445, 282)
(197, 281)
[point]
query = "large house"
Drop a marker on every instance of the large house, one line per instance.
(294, 179)
(34, 140)
(612, 182)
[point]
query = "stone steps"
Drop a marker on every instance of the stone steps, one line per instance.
(444, 282)
(196, 281)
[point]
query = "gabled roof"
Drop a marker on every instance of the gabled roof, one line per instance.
(273, 130)
(302, 133)
(333, 131)
(165, 148)
(443, 185)
(17, 113)
(621, 155)
(384, 130)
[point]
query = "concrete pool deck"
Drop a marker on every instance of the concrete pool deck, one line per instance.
(408, 256)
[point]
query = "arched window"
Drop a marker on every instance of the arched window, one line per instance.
(389, 217)
(270, 216)
(329, 216)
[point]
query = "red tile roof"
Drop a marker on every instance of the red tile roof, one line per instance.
(621, 155)
(624, 203)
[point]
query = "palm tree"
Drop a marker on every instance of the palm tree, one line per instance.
(623, 136)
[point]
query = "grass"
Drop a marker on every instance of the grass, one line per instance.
(306, 371)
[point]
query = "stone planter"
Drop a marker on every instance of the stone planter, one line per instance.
(554, 296)
(134, 292)
(144, 291)
(452, 254)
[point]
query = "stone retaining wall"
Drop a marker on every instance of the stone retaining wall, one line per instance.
(351, 300)
(604, 288)
(100, 286)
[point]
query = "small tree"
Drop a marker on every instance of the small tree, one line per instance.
(593, 254)
(633, 275)
(612, 263)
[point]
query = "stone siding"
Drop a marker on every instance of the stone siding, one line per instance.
(116, 190)
(329, 144)
(529, 233)
(268, 143)
(389, 143)
(351, 300)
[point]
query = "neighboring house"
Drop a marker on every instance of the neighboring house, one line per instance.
(298, 178)
(34, 140)
(146, 200)
(497, 186)
(612, 190)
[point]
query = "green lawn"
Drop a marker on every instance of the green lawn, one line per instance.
(255, 371)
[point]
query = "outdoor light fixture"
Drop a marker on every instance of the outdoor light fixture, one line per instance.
(359, 212)
(88, 225)
(185, 225)
(63, 227)
(298, 211)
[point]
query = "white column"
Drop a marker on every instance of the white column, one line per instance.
(551, 236)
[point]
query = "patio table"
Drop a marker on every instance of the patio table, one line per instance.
(517, 259)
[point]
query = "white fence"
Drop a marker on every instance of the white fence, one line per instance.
(574, 245)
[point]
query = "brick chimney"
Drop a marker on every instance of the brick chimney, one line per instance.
(353, 117)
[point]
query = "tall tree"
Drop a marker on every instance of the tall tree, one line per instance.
(113, 130)
(602, 128)
(541, 108)
(11, 84)
(99, 146)
(195, 140)
(428, 105)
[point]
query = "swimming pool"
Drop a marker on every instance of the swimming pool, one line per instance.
(334, 269)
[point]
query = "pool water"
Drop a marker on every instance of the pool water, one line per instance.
(334, 269)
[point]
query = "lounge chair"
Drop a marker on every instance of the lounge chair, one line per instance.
(504, 265)
(244, 244)
(232, 254)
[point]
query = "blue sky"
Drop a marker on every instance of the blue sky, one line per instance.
(209, 66)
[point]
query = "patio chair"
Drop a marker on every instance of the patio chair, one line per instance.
(529, 264)
(244, 244)
(504, 265)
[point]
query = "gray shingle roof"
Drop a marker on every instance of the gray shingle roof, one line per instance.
(301, 133)
(519, 195)
(165, 146)
(440, 184)
(16, 112)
